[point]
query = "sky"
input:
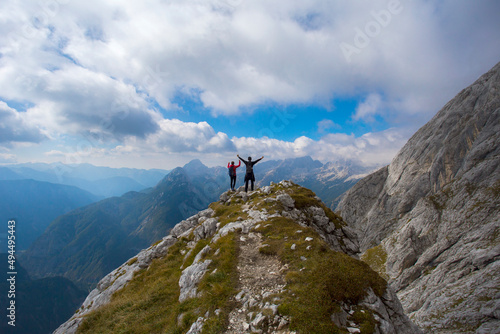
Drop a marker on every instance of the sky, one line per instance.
(155, 84)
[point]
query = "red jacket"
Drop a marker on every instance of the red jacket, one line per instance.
(233, 166)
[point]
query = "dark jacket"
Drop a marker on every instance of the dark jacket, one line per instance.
(249, 165)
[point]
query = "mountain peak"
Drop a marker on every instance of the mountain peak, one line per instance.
(274, 260)
(195, 167)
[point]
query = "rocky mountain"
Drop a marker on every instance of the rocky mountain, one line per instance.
(34, 205)
(430, 221)
(276, 260)
(329, 181)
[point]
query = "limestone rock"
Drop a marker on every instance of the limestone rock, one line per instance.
(434, 214)
(191, 276)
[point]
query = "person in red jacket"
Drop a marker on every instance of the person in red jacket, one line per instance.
(232, 173)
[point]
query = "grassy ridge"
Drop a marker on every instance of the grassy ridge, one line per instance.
(319, 280)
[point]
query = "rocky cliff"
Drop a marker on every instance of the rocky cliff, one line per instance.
(430, 221)
(276, 260)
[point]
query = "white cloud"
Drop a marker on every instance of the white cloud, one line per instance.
(371, 149)
(368, 108)
(14, 127)
(175, 136)
(7, 158)
(285, 51)
(102, 67)
(327, 124)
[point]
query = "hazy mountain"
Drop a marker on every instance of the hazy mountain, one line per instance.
(34, 205)
(85, 244)
(101, 181)
(329, 181)
(41, 305)
(430, 221)
(8, 174)
(275, 261)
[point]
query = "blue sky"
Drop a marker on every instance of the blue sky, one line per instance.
(155, 84)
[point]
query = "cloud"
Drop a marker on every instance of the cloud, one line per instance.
(112, 70)
(368, 108)
(292, 55)
(175, 136)
(327, 124)
(14, 127)
(370, 149)
(7, 158)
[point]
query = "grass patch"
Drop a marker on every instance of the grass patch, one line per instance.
(156, 243)
(227, 213)
(150, 302)
(319, 285)
(376, 257)
(132, 261)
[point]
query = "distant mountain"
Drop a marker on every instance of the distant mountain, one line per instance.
(101, 181)
(34, 205)
(41, 305)
(329, 181)
(430, 221)
(85, 244)
(8, 174)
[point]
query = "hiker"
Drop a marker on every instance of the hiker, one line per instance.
(232, 173)
(249, 174)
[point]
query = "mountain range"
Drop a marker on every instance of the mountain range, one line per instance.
(87, 243)
(34, 205)
(100, 181)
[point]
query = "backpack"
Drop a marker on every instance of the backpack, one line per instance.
(232, 171)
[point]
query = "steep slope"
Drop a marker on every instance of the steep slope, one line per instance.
(87, 243)
(272, 261)
(430, 220)
(34, 204)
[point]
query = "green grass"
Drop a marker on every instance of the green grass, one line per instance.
(149, 303)
(318, 286)
(227, 213)
(376, 257)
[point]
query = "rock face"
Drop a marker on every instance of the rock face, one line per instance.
(430, 221)
(243, 269)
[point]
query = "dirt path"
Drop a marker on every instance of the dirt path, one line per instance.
(259, 277)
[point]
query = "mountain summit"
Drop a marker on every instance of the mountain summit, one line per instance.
(275, 260)
(429, 222)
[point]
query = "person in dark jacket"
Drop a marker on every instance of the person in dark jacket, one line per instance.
(232, 172)
(249, 176)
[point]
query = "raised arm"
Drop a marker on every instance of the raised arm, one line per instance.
(241, 158)
(258, 160)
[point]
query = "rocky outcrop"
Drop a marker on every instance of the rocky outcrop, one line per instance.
(430, 220)
(281, 232)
